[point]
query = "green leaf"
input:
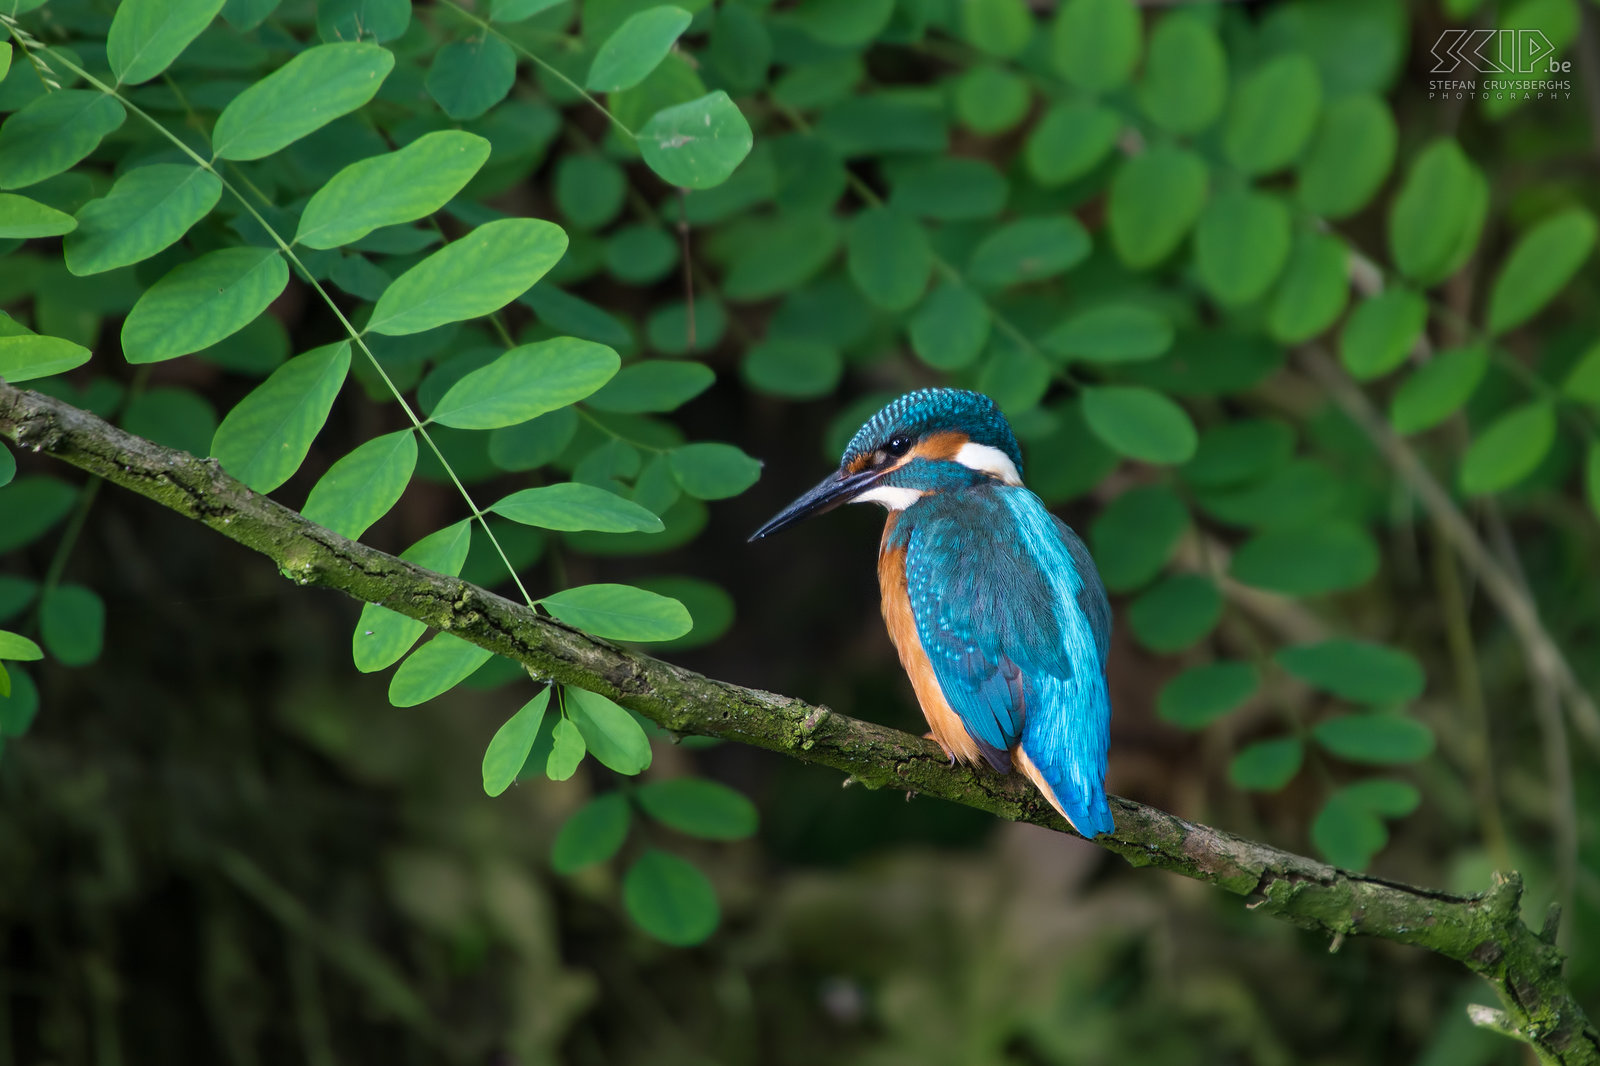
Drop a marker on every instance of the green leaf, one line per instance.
(527, 382)
(8, 470)
(1437, 215)
(701, 808)
(711, 471)
(148, 209)
(1374, 737)
(670, 899)
(350, 20)
(1240, 451)
(305, 94)
(1355, 670)
(1347, 832)
(951, 189)
(23, 218)
(1349, 157)
(797, 369)
(509, 748)
(27, 356)
(1273, 114)
(620, 612)
(1202, 694)
(1070, 141)
(201, 302)
(18, 648)
(1307, 560)
(1136, 534)
(890, 257)
(1592, 477)
(176, 417)
(1185, 75)
(467, 78)
(17, 710)
(1542, 263)
(698, 144)
(1029, 249)
(990, 100)
(636, 48)
(1381, 332)
(997, 27)
(590, 190)
(594, 833)
(1583, 380)
(1155, 199)
(1241, 244)
(610, 733)
(573, 506)
(1176, 612)
(1295, 493)
(1313, 290)
(147, 35)
(1438, 388)
(474, 276)
(566, 751)
(1267, 765)
(52, 133)
(72, 624)
(1384, 796)
(1509, 450)
(1139, 423)
(435, 668)
(265, 438)
(653, 385)
(842, 23)
(360, 488)
(388, 189)
(383, 636)
(950, 327)
(30, 507)
(1094, 44)
(516, 10)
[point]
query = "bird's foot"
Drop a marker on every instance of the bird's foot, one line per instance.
(948, 753)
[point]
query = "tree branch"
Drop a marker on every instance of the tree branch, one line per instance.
(1484, 932)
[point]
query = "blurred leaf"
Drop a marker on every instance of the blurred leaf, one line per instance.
(592, 834)
(508, 749)
(1438, 213)
(889, 257)
(1139, 423)
(1313, 290)
(52, 133)
(641, 254)
(526, 382)
(842, 23)
(566, 751)
(475, 275)
(787, 252)
(1273, 112)
(348, 20)
(1136, 534)
(636, 48)
(516, 10)
(1583, 380)
(305, 94)
(1069, 141)
(1176, 612)
(1384, 796)
(30, 507)
(1155, 199)
(991, 99)
(17, 710)
(950, 327)
(175, 417)
(1241, 244)
(23, 218)
(997, 27)
(1509, 450)
(711, 471)
(1347, 833)
(1438, 388)
(1355, 670)
(435, 668)
(1267, 765)
(1381, 331)
(1307, 560)
(740, 48)
(1349, 157)
(590, 190)
(148, 209)
(619, 612)
(699, 807)
(798, 369)
(1592, 477)
(1094, 44)
(361, 487)
(1202, 694)
(670, 899)
(1185, 75)
(653, 385)
(950, 189)
(8, 470)
(386, 190)
(573, 506)
(1029, 249)
(26, 356)
(610, 733)
(1539, 266)
(265, 438)
(529, 445)
(709, 604)
(18, 648)
(1295, 493)
(698, 144)
(201, 302)
(1374, 737)
(147, 35)
(383, 636)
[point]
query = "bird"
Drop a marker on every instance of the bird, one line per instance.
(994, 605)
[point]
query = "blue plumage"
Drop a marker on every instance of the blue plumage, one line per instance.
(995, 605)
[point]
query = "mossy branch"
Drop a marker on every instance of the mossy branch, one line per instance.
(1485, 932)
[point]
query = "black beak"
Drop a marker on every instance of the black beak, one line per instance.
(836, 489)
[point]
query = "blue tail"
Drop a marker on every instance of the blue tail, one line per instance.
(1064, 744)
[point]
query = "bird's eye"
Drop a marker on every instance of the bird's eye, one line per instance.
(897, 446)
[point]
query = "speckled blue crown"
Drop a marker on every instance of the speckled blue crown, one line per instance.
(934, 410)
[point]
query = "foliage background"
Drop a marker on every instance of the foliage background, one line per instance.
(1143, 231)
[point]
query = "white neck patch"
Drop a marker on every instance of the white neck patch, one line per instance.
(893, 497)
(987, 460)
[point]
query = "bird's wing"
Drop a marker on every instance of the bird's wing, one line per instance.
(987, 579)
(1092, 593)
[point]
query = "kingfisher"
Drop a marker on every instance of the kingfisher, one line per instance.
(994, 604)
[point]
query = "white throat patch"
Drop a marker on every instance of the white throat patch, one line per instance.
(987, 460)
(893, 497)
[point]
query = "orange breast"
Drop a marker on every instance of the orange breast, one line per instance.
(945, 724)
